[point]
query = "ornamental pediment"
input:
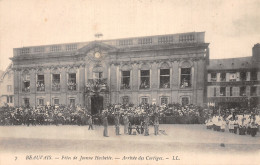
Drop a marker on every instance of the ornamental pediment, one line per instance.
(94, 46)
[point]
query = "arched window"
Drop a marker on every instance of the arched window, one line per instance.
(145, 77)
(125, 77)
(125, 100)
(164, 76)
(185, 100)
(26, 81)
(56, 79)
(186, 75)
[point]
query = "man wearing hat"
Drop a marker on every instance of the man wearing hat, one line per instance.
(156, 125)
(126, 121)
(105, 124)
(90, 123)
(146, 125)
(117, 124)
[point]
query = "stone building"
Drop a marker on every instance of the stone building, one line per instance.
(6, 87)
(235, 82)
(152, 69)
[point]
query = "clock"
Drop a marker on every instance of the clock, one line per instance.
(97, 55)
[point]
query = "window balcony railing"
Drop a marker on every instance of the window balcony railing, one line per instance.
(145, 86)
(185, 85)
(26, 89)
(223, 79)
(72, 86)
(165, 85)
(55, 87)
(40, 87)
(125, 86)
(213, 79)
(96, 85)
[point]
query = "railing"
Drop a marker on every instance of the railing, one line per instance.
(26, 89)
(72, 86)
(55, 87)
(40, 87)
(125, 86)
(145, 86)
(165, 85)
(96, 85)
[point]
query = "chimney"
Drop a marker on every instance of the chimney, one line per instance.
(256, 55)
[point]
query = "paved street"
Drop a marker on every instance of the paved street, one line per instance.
(78, 139)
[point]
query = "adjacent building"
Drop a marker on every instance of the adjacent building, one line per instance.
(235, 82)
(153, 69)
(6, 87)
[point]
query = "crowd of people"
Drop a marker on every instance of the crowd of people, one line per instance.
(235, 121)
(60, 114)
(135, 119)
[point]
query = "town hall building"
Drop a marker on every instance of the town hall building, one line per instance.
(153, 69)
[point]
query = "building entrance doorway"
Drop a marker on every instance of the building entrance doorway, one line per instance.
(96, 104)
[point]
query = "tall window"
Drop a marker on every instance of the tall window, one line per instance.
(222, 91)
(213, 77)
(164, 100)
(253, 91)
(145, 79)
(9, 88)
(184, 100)
(253, 76)
(243, 91)
(9, 99)
(232, 77)
(72, 84)
(125, 81)
(125, 100)
(98, 75)
(243, 76)
(40, 83)
(215, 91)
(144, 100)
(164, 78)
(72, 102)
(26, 83)
(231, 91)
(56, 101)
(185, 77)
(41, 102)
(56, 82)
(222, 76)
(26, 102)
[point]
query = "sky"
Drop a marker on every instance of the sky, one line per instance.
(232, 27)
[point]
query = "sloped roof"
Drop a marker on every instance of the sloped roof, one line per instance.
(1, 73)
(230, 63)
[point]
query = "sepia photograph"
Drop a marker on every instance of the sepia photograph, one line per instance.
(129, 82)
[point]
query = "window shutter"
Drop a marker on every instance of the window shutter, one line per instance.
(218, 91)
(209, 76)
(236, 91)
(227, 91)
(227, 76)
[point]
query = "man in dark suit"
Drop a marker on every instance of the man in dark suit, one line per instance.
(105, 124)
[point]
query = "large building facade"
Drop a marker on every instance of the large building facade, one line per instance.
(154, 69)
(235, 82)
(6, 87)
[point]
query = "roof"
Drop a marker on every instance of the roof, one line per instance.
(230, 63)
(1, 73)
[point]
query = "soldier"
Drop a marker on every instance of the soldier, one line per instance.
(117, 124)
(105, 124)
(156, 125)
(126, 121)
(90, 123)
(146, 125)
